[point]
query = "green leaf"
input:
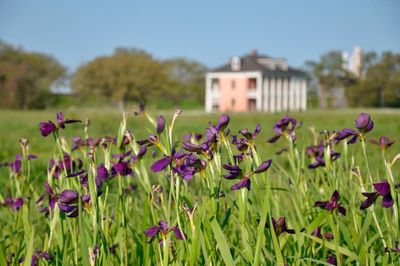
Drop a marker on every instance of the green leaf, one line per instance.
(29, 249)
(332, 247)
(222, 244)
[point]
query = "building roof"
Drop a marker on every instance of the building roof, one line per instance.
(253, 62)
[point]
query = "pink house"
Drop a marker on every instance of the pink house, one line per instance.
(256, 83)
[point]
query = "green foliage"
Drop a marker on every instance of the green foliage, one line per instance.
(26, 78)
(134, 75)
(380, 85)
(221, 226)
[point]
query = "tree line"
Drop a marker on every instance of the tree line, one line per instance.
(377, 85)
(126, 76)
(133, 75)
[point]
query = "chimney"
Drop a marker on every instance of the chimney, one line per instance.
(254, 52)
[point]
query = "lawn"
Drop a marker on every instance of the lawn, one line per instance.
(197, 209)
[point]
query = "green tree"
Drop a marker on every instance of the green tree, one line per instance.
(329, 73)
(126, 75)
(26, 78)
(380, 86)
(187, 79)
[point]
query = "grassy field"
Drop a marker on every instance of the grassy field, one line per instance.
(17, 124)
(288, 215)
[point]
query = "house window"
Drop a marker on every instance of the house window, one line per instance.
(233, 84)
(233, 102)
(252, 105)
(252, 84)
(214, 85)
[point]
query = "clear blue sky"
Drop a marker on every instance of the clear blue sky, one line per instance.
(208, 31)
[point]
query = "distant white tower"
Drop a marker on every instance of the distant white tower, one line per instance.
(355, 62)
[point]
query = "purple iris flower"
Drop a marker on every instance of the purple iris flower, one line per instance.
(331, 259)
(384, 142)
(382, 189)
(142, 151)
(163, 229)
(14, 204)
(68, 203)
(236, 172)
(223, 122)
(150, 141)
(46, 128)
(317, 152)
(363, 123)
(280, 226)
(396, 248)
(284, 127)
(317, 233)
(72, 167)
(160, 124)
(163, 163)
(37, 255)
(332, 204)
(194, 147)
(52, 197)
(77, 143)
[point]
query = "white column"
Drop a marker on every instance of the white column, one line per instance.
(259, 93)
(278, 94)
(291, 94)
(303, 106)
(208, 94)
(266, 94)
(285, 94)
(297, 95)
(272, 95)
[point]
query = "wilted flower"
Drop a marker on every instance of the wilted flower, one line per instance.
(363, 123)
(46, 128)
(382, 189)
(332, 204)
(384, 142)
(284, 128)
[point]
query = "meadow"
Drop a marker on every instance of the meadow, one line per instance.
(197, 201)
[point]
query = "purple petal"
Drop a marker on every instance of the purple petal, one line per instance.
(152, 231)
(244, 182)
(161, 164)
(160, 124)
(363, 121)
(263, 167)
(383, 188)
(387, 201)
(46, 128)
(274, 139)
(371, 198)
(223, 122)
(60, 117)
(18, 203)
(257, 130)
(68, 196)
(178, 233)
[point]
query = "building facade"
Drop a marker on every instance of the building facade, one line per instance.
(256, 83)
